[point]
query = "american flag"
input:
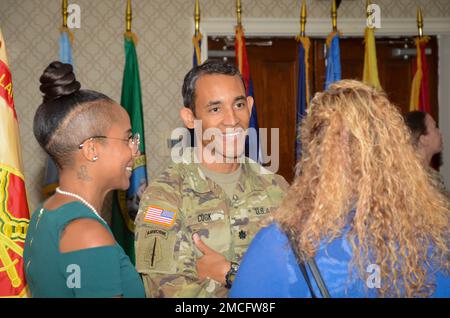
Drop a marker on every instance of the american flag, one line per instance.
(159, 216)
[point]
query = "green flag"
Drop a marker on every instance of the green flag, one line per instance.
(126, 203)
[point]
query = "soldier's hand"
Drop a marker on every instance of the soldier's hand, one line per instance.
(212, 264)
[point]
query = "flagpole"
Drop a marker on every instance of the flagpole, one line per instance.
(239, 13)
(129, 16)
(197, 37)
(239, 37)
(334, 15)
(197, 17)
(420, 22)
(368, 3)
(302, 19)
(65, 14)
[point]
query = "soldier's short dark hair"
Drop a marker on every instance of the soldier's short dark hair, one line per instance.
(210, 67)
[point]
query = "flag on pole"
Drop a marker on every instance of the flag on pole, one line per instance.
(65, 46)
(14, 212)
(197, 42)
(420, 95)
(51, 178)
(303, 95)
(370, 72)
(126, 203)
(242, 62)
(333, 59)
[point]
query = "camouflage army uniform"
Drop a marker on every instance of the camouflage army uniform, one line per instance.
(165, 253)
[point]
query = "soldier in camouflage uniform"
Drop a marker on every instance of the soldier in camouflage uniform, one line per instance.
(185, 200)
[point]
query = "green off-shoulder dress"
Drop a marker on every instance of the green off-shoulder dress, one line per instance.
(104, 271)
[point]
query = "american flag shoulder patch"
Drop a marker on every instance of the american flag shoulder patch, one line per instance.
(159, 216)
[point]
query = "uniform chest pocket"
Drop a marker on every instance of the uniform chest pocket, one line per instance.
(213, 227)
(249, 223)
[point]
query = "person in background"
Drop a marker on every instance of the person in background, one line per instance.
(427, 140)
(69, 248)
(361, 218)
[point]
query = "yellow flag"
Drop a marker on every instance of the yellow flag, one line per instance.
(370, 74)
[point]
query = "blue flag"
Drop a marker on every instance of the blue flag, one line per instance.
(65, 48)
(302, 91)
(256, 156)
(333, 60)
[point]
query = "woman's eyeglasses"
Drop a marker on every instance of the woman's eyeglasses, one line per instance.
(133, 141)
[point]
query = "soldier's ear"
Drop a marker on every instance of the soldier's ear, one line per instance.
(188, 117)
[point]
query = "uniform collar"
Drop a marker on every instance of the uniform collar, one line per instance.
(249, 179)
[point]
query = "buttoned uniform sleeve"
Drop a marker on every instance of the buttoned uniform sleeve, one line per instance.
(165, 255)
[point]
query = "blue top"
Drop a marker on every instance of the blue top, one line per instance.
(269, 269)
(104, 271)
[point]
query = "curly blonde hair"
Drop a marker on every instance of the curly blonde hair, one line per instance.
(359, 168)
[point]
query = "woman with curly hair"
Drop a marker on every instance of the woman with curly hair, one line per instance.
(361, 219)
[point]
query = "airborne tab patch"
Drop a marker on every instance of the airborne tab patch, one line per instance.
(159, 216)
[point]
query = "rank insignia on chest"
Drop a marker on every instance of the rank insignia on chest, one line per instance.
(242, 234)
(159, 216)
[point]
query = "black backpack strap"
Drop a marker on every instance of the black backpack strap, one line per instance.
(306, 277)
(318, 278)
(312, 267)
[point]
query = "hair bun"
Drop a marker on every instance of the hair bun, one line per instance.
(58, 80)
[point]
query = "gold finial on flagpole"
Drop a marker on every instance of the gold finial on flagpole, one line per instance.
(420, 21)
(368, 13)
(302, 18)
(65, 14)
(129, 16)
(197, 17)
(334, 15)
(239, 12)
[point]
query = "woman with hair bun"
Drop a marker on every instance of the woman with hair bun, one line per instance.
(361, 219)
(69, 249)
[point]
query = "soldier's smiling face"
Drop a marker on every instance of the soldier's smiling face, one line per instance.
(221, 103)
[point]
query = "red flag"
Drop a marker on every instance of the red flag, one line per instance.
(420, 95)
(14, 213)
(241, 57)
